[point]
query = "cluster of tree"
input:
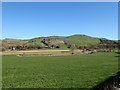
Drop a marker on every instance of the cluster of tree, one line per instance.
(98, 46)
(47, 42)
(21, 47)
(72, 47)
(108, 47)
(105, 41)
(51, 43)
(28, 47)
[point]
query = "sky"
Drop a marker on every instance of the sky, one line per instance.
(25, 20)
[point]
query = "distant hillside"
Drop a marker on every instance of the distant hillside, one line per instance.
(77, 41)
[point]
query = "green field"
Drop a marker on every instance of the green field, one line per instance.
(77, 71)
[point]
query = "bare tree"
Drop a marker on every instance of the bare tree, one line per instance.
(73, 47)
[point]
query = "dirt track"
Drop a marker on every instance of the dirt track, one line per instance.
(59, 54)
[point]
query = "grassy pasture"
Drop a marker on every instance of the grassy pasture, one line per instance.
(77, 71)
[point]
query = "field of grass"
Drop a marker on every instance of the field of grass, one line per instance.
(77, 71)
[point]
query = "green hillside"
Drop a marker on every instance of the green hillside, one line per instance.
(78, 40)
(81, 40)
(55, 42)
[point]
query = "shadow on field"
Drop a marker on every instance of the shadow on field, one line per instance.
(44, 89)
(112, 83)
(118, 54)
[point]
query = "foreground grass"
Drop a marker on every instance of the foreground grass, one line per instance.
(84, 71)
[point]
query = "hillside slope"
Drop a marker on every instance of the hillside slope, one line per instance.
(55, 42)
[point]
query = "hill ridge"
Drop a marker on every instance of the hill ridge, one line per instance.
(76, 40)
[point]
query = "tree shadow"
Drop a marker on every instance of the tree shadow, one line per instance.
(117, 56)
(112, 83)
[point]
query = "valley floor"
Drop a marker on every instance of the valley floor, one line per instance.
(77, 71)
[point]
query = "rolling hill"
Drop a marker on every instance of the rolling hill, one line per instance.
(77, 41)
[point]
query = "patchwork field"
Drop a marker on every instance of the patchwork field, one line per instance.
(76, 71)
